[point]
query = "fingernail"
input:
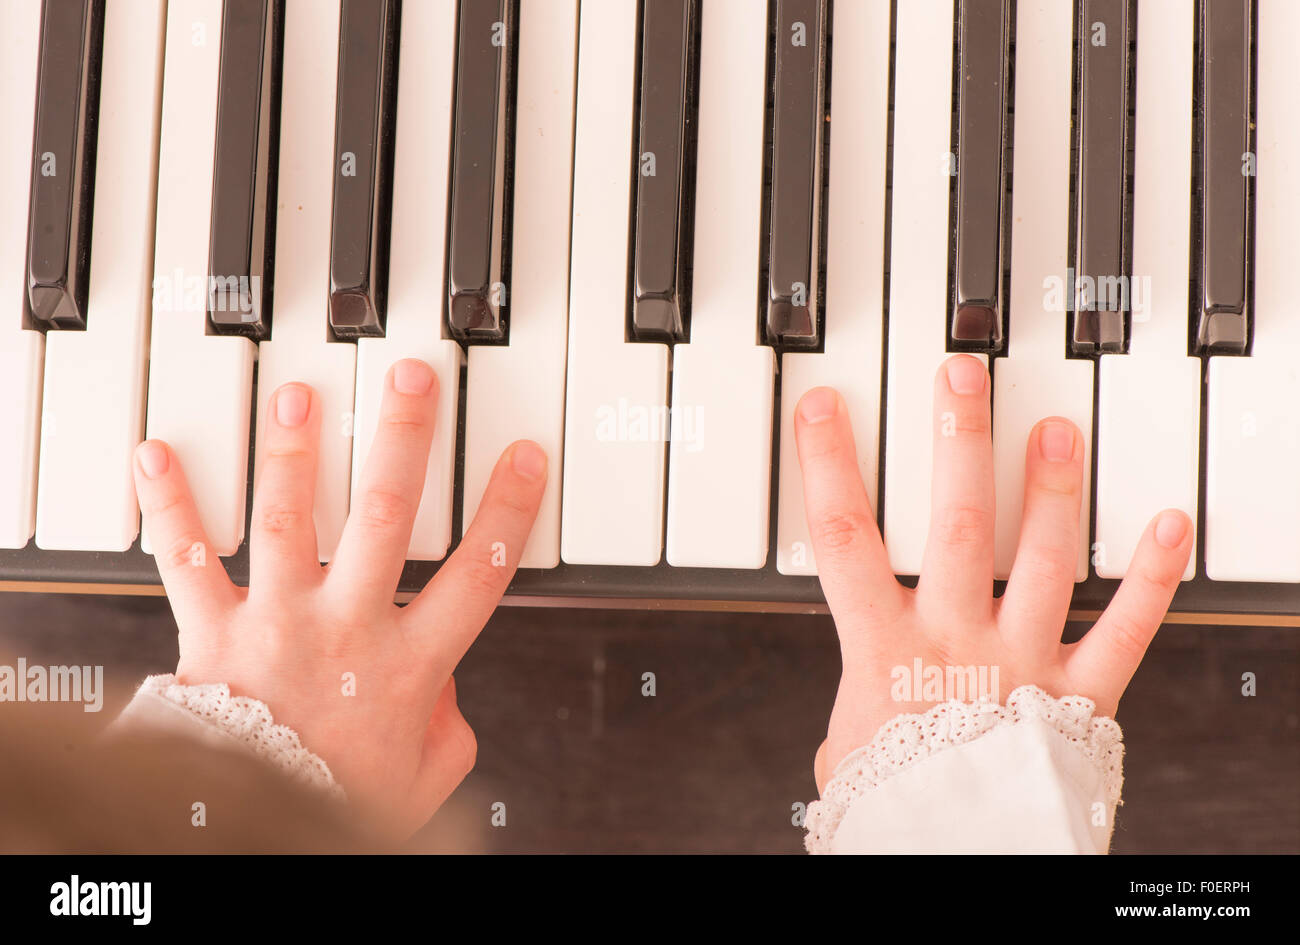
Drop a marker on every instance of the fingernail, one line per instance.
(966, 376)
(1170, 529)
(412, 377)
(528, 460)
(1056, 442)
(818, 404)
(291, 406)
(152, 458)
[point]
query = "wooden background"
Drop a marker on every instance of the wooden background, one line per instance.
(714, 762)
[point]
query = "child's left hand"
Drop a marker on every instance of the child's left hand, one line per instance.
(399, 746)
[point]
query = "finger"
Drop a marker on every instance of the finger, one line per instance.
(282, 536)
(851, 560)
(1108, 655)
(462, 595)
(957, 570)
(195, 580)
(1041, 583)
(373, 546)
(450, 750)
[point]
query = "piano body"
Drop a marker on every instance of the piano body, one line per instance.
(637, 231)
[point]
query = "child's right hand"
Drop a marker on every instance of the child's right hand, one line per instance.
(399, 745)
(952, 618)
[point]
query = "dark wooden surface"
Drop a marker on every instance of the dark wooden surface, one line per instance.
(716, 759)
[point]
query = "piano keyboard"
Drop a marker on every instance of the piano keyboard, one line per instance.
(637, 231)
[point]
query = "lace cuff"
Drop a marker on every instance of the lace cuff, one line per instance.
(909, 738)
(246, 722)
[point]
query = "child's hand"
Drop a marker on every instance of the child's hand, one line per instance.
(399, 746)
(951, 619)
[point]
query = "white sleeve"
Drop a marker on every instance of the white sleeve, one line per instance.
(209, 713)
(1038, 775)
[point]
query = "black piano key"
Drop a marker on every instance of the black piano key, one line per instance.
(795, 212)
(242, 239)
(63, 163)
(363, 166)
(1101, 268)
(1225, 140)
(662, 174)
(476, 233)
(981, 174)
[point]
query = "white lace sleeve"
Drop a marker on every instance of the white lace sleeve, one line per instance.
(210, 713)
(1038, 774)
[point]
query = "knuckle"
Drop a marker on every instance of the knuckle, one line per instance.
(404, 422)
(1049, 567)
(1127, 635)
(179, 552)
(384, 509)
(821, 446)
(514, 502)
(279, 518)
(963, 525)
(970, 423)
(482, 578)
(1153, 579)
(842, 530)
(163, 504)
(1063, 485)
(289, 454)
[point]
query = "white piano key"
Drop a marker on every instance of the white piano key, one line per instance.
(720, 461)
(1036, 380)
(1148, 451)
(855, 235)
(918, 301)
(94, 379)
(617, 391)
(21, 350)
(517, 390)
(1025, 390)
(1252, 505)
(1149, 400)
(200, 386)
(416, 283)
(299, 348)
(720, 468)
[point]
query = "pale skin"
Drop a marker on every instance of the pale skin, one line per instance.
(400, 746)
(952, 618)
